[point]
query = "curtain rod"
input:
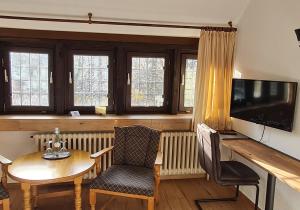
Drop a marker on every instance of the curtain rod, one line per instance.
(90, 21)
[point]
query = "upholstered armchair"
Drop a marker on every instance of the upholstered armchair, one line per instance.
(4, 196)
(135, 172)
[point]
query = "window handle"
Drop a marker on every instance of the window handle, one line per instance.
(70, 78)
(5, 72)
(182, 79)
(128, 79)
(5, 76)
(51, 78)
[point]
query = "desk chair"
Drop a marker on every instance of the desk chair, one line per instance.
(225, 173)
(136, 164)
(4, 196)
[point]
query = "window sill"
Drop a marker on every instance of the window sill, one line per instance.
(46, 123)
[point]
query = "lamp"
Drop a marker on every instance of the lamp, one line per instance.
(298, 35)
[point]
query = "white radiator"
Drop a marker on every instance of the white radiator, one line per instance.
(180, 153)
(180, 150)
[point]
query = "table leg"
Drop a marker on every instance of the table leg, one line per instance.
(27, 195)
(77, 183)
(270, 192)
(34, 195)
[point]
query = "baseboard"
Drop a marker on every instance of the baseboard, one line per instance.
(184, 176)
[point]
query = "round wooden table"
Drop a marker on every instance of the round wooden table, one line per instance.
(32, 170)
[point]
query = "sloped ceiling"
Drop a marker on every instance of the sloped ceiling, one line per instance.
(193, 12)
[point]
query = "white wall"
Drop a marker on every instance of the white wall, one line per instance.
(167, 11)
(189, 12)
(96, 28)
(15, 144)
(267, 48)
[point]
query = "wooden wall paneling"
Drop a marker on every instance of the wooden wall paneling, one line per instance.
(115, 79)
(65, 35)
(6, 88)
(111, 81)
(1, 80)
(120, 81)
(59, 78)
(175, 82)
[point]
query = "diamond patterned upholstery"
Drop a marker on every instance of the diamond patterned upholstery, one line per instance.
(3, 193)
(126, 179)
(136, 146)
(134, 154)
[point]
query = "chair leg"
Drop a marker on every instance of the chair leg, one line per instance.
(93, 199)
(256, 197)
(156, 196)
(217, 199)
(157, 182)
(6, 205)
(151, 203)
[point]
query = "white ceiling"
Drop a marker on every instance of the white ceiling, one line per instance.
(177, 11)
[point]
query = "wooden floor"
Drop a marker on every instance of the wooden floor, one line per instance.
(174, 195)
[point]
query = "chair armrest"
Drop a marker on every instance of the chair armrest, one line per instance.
(159, 158)
(5, 161)
(101, 152)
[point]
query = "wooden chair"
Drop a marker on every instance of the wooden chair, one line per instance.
(135, 172)
(4, 196)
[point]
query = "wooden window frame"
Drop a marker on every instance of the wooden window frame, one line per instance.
(184, 57)
(119, 47)
(148, 110)
(8, 107)
(70, 69)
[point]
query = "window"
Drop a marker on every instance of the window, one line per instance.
(188, 80)
(28, 81)
(53, 76)
(146, 82)
(91, 81)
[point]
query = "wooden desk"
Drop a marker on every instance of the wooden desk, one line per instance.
(277, 164)
(32, 170)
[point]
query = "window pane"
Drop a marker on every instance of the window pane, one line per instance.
(189, 82)
(147, 86)
(29, 79)
(90, 80)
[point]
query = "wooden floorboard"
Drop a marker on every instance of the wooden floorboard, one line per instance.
(174, 195)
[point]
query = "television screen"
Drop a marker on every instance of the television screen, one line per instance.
(270, 103)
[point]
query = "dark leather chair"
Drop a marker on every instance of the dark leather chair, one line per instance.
(225, 173)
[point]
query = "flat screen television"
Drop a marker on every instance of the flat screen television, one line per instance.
(270, 103)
